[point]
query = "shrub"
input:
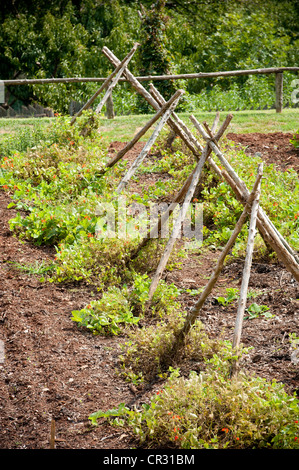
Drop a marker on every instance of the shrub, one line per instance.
(211, 411)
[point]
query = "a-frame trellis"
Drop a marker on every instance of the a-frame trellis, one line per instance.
(268, 231)
(250, 200)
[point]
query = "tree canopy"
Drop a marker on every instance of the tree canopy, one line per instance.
(64, 38)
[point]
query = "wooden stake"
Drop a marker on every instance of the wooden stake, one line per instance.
(177, 226)
(110, 114)
(246, 272)
(188, 138)
(279, 91)
(108, 84)
(171, 104)
(193, 314)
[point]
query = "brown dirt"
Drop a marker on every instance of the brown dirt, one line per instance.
(275, 148)
(53, 370)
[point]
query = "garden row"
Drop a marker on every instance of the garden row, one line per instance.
(56, 183)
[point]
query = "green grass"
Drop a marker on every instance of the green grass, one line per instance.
(123, 128)
(12, 125)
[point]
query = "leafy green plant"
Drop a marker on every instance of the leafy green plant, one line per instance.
(294, 340)
(211, 411)
(39, 267)
(295, 140)
(232, 294)
(108, 315)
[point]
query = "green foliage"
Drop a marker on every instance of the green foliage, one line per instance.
(143, 352)
(295, 140)
(232, 294)
(279, 198)
(65, 39)
(211, 411)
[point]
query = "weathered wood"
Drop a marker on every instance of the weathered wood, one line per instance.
(191, 76)
(278, 92)
(194, 312)
(242, 185)
(171, 104)
(247, 266)
(110, 114)
(52, 434)
(270, 234)
(177, 225)
(110, 80)
(176, 123)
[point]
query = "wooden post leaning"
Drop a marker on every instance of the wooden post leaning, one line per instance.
(171, 104)
(194, 312)
(266, 228)
(108, 84)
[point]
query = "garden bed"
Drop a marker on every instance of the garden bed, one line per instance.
(52, 369)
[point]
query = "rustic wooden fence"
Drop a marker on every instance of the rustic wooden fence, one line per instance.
(278, 71)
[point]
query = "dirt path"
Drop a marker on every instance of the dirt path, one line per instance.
(53, 370)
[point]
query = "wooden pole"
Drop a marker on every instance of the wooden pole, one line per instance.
(171, 104)
(177, 226)
(109, 84)
(242, 185)
(191, 76)
(188, 138)
(194, 312)
(110, 107)
(247, 267)
(182, 214)
(52, 434)
(278, 91)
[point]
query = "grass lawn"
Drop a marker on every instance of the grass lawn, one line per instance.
(123, 128)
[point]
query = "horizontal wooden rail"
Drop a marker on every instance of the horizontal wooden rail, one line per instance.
(232, 73)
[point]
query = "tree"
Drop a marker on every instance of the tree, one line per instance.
(154, 58)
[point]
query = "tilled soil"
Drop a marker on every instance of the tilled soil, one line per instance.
(54, 371)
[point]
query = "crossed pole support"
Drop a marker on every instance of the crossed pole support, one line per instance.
(267, 229)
